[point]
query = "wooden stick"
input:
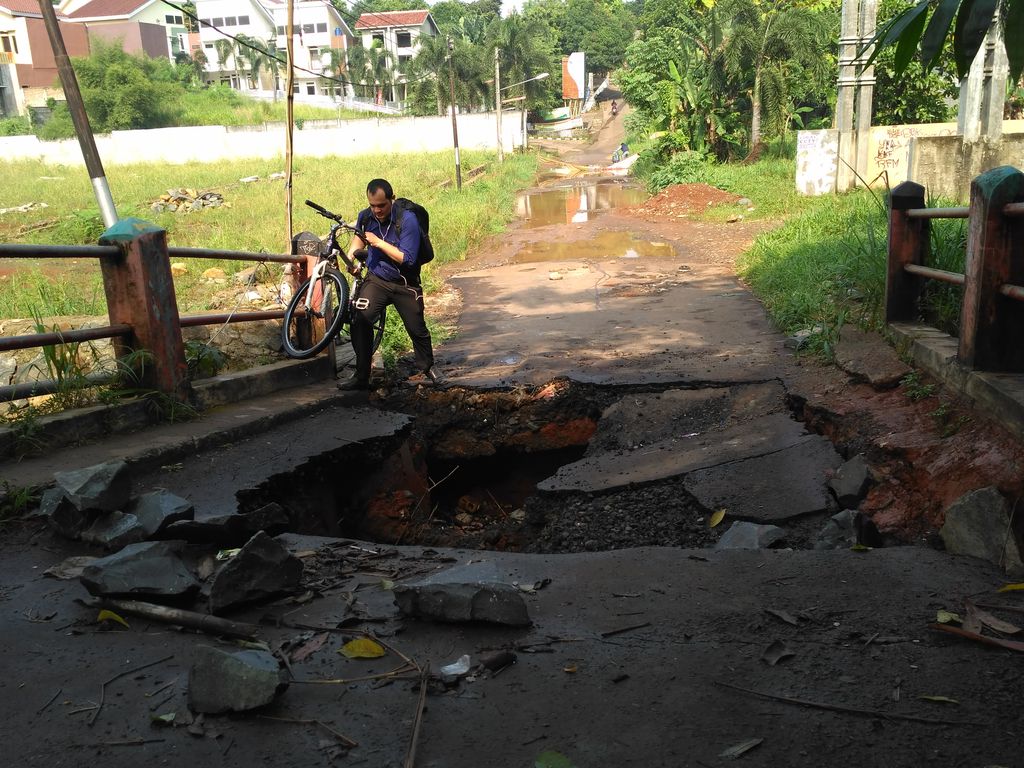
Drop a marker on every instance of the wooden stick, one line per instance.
(192, 619)
(103, 688)
(841, 708)
(620, 630)
(49, 702)
(336, 734)
(410, 755)
(344, 681)
(1010, 645)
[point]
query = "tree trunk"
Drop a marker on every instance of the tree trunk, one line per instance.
(755, 108)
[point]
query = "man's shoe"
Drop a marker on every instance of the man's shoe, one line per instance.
(434, 376)
(353, 384)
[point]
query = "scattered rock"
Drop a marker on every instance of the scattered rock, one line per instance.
(743, 535)
(245, 276)
(839, 532)
(249, 179)
(63, 516)
(157, 510)
(102, 487)
(734, 218)
(866, 357)
(746, 201)
(113, 530)
(188, 200)
(263, 568)
(214, 273)
(179, 268)
(470, 593)
(851, 482)
(801, 338)
(231, 530)
(150, 568)
(978, 524)
(224, 681)
(554, 275)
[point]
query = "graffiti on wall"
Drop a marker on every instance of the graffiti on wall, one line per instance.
(889, 149)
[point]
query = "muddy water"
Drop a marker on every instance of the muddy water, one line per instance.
(609, 244)
(575, 202)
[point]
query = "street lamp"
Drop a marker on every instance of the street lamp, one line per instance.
(497, 101)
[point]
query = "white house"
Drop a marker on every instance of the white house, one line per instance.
(397, 32)
(235, 17)
(319, 28)
(143, 26)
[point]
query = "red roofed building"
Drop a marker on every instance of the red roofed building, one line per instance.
(397, 32)
(143, 26)
(28, 72)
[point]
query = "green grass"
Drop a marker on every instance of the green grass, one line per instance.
(255, 220)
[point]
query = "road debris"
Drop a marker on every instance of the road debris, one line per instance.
(738, 750)
(182, 200)
(148, 568)
(202, 621)
(263, 568)
(776, 652)
(744, 535)
(222, 681)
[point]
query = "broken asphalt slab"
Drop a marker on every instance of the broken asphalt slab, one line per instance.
(625, 648)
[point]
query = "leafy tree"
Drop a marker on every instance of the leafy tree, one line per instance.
(917, 95)
(766, 44)
(378, 6)
(600, 28)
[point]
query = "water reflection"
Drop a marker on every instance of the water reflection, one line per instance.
(575, 203)
(604, 245)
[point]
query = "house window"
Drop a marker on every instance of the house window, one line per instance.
(311, 89)
(404, 39)
(403, 60)
(208, 46)
(218, 22)
(230, 21)
(243, 20)
(169, 19)
(314, 55)
(280, 30)
(321, 27)
(204, 22)
(378, 37)
(9, 43)
(295, 88)
(307, 29)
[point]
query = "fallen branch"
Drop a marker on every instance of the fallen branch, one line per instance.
(49, 702)
(410, 755)
(336, 734)
(404, 668)
(118, 676)
(191, 619)
(126, 743)
(620, 630)
(1010, 645)
(847, 710)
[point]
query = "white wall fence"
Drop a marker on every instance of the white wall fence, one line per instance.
(345, 138)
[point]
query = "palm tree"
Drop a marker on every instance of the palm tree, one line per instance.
(381, 70)
(767, 41)
(335, 67)
(226, 50)
(358, 68)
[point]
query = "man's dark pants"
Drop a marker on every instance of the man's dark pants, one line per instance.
(408, 300)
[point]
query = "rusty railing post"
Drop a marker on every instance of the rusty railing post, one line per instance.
(991, 324)
(140, 292)
(304, 244)
(908, 244)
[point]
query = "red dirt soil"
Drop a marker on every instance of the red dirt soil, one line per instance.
(685, 199)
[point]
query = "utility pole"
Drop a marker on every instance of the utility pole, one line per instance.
(497, 101)
(455, 127)
(79, 117)
(289, 127)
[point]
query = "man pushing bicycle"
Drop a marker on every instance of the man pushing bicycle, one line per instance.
(393, 240)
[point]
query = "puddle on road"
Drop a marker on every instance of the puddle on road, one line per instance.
(576, 202)
(604, 245)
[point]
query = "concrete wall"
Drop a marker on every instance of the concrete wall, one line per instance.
(945, 165)
(176, 146)
(817, 155)
(135, 37)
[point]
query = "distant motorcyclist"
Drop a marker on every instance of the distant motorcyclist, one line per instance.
(615, 108)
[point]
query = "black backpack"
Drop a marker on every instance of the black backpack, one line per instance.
(402, 204)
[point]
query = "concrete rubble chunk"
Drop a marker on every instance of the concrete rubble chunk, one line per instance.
(114, 530)
(157, 510)
(232, 530)
(63, 516)
(150, 568)
(743, 535)
(851, 482)
(104, 487)
(233, 681)
(262, 568)
(866, 357)
(464, 594)
(839, 532)
(978, 524)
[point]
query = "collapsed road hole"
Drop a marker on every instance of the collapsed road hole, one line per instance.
(549, 470)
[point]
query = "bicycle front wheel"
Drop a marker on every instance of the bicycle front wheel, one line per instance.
(307, 330)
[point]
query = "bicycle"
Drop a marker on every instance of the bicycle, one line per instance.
(324, 305)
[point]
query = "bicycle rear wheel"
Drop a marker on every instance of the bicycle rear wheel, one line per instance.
(307, 331)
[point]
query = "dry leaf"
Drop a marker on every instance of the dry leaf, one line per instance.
(1010, 645)
(570, 670)
(998, 625)
(309, 647)
(783, 616)
(362, 648)
(1011, 588)
(971, 621)
(716, 518)
(939, 699)
(947, 617)
(106, 615)
(741, 749)
(776, 652)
